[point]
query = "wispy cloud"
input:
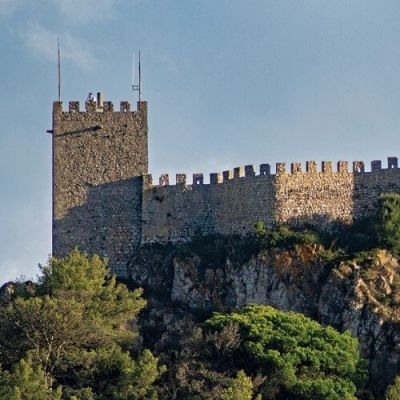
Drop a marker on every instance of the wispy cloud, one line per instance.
(43, 42)
(82, 11)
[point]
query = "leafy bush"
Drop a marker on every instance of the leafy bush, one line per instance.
(389, 221)
(393, 391)
(240, 389)
(283, 237)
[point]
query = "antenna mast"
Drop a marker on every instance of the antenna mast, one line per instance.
(59, 69)
(137, 87)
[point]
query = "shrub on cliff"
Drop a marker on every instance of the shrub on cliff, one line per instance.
(240, 389)
(76, 329)
(286, 355)
(393, 391)
(389, 221)
(284, 237)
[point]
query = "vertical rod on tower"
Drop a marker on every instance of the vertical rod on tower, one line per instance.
(137, 87)
(140, 79)
(59, 69)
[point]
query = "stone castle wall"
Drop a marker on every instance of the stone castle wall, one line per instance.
(105, 203)
(235, 200)
(99, 158)
(226, 206)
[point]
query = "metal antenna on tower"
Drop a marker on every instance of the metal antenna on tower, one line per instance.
(59, 69)
(137, 87)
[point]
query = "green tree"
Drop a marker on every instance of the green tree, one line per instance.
(389, 221)
(79, 317)
(306, 360)
(240, 389)
(119, 377)
(393, 391)
(285, 354)
(26, 382)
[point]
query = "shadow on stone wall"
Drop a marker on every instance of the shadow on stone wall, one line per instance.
(316, 221)
(369, 185)
(109, 224)
(176, 212)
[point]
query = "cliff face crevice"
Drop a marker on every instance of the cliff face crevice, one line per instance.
(359, 295)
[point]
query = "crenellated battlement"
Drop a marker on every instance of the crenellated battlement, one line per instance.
(296, 168)
(97, 107)
(107, 106)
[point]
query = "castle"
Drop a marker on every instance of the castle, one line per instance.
(105, 201)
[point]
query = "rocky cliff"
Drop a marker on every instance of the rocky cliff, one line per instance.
(185, 284)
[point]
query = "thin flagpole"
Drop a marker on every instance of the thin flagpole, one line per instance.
(140, 79)
(133, 70)
(59, 69)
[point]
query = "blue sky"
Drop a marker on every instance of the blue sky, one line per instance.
(228, 83)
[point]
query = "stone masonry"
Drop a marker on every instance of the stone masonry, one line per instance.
(104, 201)
(235, 200)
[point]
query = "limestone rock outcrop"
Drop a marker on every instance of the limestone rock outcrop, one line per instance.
(359, 296)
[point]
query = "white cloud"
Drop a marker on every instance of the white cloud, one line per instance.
(43, 42)
(82, 11)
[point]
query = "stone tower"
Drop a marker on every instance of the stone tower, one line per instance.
(99, 158)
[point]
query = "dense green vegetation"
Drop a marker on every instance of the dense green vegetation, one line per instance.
(393, 391)
(388, 222)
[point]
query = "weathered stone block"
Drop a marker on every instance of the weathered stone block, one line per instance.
(358, 166)
(164, 180)
(125, 106)
(108, 106)
(181, 179)
(392, 162)
(238, 172)
(74, 106)
(265, 169)
(311, 167)
(295, 167)
(342, 167)
(90, 106)
(215, 177)
(280, 168)
(376, 165)
(198, 179)
(148, 181)
(249, 170)
(327, 167)
(227, 175)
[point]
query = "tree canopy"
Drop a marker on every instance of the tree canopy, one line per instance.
(75, 335)
(284, 354)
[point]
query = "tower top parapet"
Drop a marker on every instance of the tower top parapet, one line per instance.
(98, 105)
